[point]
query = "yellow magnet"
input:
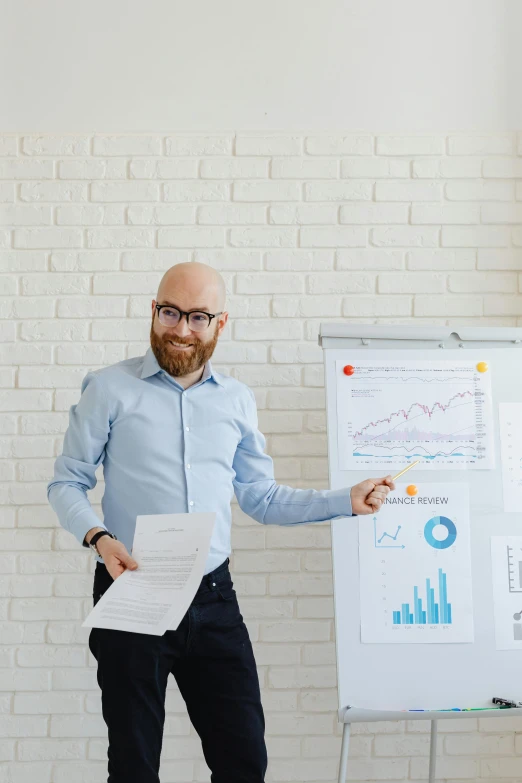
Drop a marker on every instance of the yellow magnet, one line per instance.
(482, 367)
(411, 490)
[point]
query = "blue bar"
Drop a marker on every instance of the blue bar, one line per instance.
(442, 596)
(429, 599)
(412, 619)
(396, 618)
(445, 583)
(405, 614)
(449, 614)
(416, 604)
(424, 618)
(436, 614)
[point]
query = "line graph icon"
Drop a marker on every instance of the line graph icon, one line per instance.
(380, 537)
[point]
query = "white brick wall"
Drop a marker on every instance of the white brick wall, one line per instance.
(305, 228)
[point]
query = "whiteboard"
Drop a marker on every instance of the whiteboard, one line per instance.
(384, 679)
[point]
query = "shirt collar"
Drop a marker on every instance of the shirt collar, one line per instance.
(151, 367)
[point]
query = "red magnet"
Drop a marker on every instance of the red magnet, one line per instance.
(348, 370)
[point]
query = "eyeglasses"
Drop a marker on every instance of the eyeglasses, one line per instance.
(197, 320)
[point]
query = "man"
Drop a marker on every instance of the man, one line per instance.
(175, 436)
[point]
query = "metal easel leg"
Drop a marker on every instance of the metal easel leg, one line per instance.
(433, 751)
(343, 766)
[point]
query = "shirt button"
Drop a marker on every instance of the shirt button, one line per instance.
(188, 466)
(191, 503)
(187, 428)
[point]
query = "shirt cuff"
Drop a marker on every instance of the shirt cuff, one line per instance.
(77, 518)
(80, 527)
(340, 503)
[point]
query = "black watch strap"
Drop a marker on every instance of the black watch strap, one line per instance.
(98, 535)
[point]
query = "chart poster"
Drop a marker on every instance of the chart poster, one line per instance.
(392, 413)
(506, 562)
(415, 567)
(510, 416)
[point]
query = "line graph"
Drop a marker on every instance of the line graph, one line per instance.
(439, 412)
(425, 411)
(392, 536)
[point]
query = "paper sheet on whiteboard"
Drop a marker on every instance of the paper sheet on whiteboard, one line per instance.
(506, 566)
(391, 413)
(510, 416)
(415, 567)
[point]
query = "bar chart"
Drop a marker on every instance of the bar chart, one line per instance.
(436, 612)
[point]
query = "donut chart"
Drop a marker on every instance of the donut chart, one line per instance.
(450, 527)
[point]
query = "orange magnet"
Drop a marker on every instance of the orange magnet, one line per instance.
(411, 490)
(482, 367)
(348, 369)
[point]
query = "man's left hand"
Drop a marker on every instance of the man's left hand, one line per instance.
(368, 496)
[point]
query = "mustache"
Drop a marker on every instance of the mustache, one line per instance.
(180, 340)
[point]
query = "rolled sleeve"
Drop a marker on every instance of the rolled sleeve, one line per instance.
(260, 496)
(340, 503)
(83, 453)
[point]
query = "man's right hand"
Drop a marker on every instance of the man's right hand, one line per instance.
(114, 554)
(368, 496)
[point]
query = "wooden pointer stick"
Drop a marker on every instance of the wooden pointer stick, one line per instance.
(406, 469)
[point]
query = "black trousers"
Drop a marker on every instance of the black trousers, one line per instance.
(211, 658)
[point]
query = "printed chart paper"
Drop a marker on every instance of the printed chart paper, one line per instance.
(415, 567)
(506, 566)
(392, 413)
(510, 415)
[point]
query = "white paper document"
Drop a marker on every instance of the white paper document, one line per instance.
(391, 413)
(506, 566)
(415, 567)
(510, 416)
(171, 551)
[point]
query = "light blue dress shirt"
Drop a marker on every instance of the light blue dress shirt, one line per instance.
(167, 450)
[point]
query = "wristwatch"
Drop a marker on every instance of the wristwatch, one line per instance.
(92, 543)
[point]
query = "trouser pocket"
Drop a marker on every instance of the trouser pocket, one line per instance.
(224, 589)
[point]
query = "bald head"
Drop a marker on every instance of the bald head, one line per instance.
(199, 285)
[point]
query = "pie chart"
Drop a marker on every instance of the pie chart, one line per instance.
(451, 532)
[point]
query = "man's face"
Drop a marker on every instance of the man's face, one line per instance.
(179, 350)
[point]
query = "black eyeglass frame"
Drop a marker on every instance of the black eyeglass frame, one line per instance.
(210, 316)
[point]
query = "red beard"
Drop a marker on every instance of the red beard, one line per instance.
(180, 363)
